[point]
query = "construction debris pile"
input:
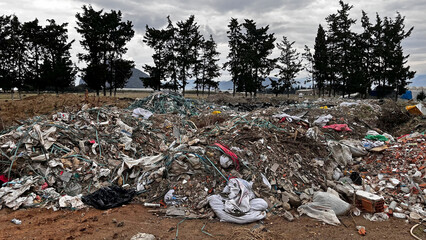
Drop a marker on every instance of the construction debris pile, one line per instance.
(196, 159)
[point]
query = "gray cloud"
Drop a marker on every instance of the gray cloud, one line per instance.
(296, 19)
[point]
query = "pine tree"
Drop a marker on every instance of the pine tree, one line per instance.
(32, 36)
(397, 73)
(341, 39)
(121, 72)
(104, 38)
(309, 66)
(321, 60)
(257, 45)
(187, 39)
(157, 40)
(234, 63)
(171, 57)
(6, 53)
(366, 45)
(211, 69)
(57, 68)
(289, 65)
(16, 51)
(198, 67)
(377, 32)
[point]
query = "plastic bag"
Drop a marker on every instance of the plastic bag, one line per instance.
(323, 120)
(325, 207)
(339, 127)
(140, 112)
(171, 199)
(109, 197)
(256, 213)
(240, 205)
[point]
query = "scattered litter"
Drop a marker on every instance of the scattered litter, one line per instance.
(361, 230)
(16, 221)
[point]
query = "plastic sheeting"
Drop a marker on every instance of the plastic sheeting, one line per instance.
(325, 207)
(323, 120)
(147, 163)
(109, 197)
(239, 205)
(407, 95)
(141, 112)
(72, 202)
(340, 152)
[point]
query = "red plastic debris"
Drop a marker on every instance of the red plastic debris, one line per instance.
(339, 127)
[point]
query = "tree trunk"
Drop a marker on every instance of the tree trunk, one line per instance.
(97, 92)
(183, 89)
(255, 82)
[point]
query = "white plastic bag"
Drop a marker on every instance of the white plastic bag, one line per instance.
(240, 205)
(325, 207)
(323, 120)
(140, 112)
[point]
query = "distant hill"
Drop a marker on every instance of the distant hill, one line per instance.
(418, 81)
(134, 81)
(227, 85)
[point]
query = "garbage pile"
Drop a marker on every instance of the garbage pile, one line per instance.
(170, 102)
(199, 161)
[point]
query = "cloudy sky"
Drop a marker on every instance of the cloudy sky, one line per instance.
(296, 19)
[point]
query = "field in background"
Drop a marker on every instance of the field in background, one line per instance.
(142, 94)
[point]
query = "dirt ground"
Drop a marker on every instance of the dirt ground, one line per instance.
(11, 112)
(126, 221)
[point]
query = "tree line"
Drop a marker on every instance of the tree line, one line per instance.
(181, 52)
(349, 62)
(37, 58)
(34, 57)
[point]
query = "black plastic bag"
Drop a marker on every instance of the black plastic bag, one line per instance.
(109, 197)
(356, 178)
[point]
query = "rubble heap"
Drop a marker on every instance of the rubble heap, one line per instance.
(183, 154)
